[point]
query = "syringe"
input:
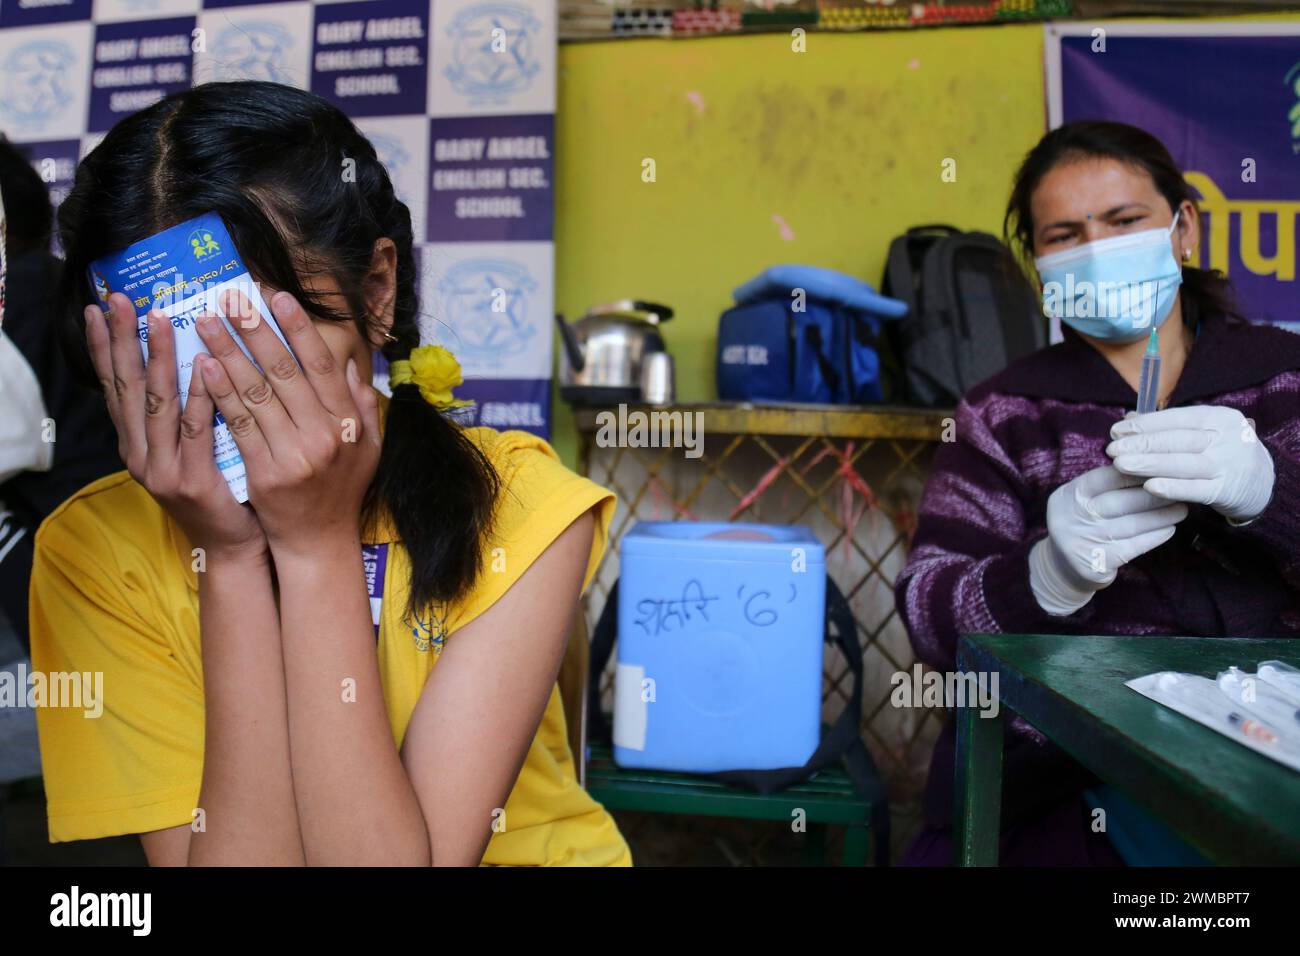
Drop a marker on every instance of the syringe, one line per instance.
(1149, 385)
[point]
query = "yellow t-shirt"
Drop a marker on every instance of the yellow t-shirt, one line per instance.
(113, 591)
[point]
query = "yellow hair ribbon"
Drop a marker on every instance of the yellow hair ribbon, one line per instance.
(435, 371)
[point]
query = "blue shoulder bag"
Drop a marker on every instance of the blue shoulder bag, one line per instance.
(804, 334)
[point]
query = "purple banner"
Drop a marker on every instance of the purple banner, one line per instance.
(374, 562)
(491, 178)
(26, 13)
(210, 4)
(506, 403)
(1234, 129)
(371, 58)
(135, 64)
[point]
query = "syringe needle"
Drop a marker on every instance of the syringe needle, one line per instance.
(1149, 380)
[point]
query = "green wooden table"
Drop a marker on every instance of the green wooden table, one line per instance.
(1233, 805)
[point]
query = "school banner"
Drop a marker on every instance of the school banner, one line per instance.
(1225, 99)
(458, 97)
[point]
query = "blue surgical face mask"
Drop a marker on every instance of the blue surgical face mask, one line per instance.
(1114, 289)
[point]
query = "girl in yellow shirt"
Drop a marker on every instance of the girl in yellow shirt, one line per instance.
(249, 717)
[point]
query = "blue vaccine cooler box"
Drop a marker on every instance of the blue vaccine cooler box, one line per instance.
(719, 646)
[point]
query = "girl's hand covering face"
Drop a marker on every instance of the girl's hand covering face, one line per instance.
(166, 450)
(308, 430)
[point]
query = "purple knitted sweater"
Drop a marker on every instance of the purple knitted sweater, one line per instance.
(1045, 420)
(1019, 436)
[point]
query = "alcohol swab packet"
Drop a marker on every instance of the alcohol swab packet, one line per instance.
(184, 271)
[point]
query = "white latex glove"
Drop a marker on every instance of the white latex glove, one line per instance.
(1096, 523)
(1203, 454)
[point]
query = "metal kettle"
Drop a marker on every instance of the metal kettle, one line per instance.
(604, 351)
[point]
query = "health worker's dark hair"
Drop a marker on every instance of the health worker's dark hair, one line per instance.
(271, 160)
(1204, 290)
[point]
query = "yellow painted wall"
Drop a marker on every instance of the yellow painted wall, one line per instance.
(843, 142)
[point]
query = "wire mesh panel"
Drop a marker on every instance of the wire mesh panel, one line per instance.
(854, 477)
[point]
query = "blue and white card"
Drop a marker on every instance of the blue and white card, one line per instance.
(184, 271)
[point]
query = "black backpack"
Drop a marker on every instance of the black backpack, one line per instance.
(972, 311)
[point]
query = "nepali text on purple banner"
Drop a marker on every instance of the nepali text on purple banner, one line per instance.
(1240, 152)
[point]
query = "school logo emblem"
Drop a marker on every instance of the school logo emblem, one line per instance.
(430, 631)
(493, 53)
(36, 82)
(253, 50)
(202, 244)
(485, 301)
